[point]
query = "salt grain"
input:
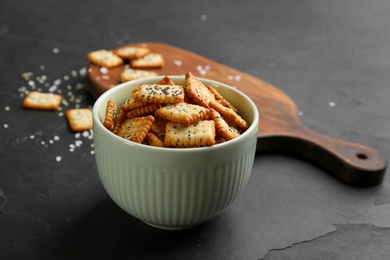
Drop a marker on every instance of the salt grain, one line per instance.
(178, 63)
(85, 134)
(103, 70)
(300, 113)
(7, 108)
(32, 137)
(332, 104)
(58, 158)
(77, 135)
(203, 17)
(5, 125)
(56, 50)
(78, 143)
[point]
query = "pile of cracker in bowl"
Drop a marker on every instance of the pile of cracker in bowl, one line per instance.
(170, 115)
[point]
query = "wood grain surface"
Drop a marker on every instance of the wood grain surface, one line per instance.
(280, 128)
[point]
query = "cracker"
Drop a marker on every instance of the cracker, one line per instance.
(79, 119)
(221, 99)
(230, 115)
(129, 52)
(104, 58)
(223, 129)
(132, 74)
(153, 140)
(110, 115)
(132, 103)
(42, 101)
(136, 129)
(142, 111)
(158, 127)
(166, 81)
(150, 61)
(198, 91)
(183, 113)
(195, 135)
(159, 94)
(119, 120)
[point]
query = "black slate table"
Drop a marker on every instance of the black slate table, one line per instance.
(331, 57)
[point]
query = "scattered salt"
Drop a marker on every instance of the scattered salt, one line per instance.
(103, 70)
(178, 63)
(78, 143)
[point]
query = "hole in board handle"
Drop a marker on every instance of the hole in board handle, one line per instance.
(362, 156)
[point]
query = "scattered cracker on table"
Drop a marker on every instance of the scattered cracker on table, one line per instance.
(132, 74)
(130, 52)
(104, 58)
(42, 101)
(195, 135)
(79, 119)
(150, 61)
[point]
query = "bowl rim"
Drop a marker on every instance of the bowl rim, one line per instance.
(98, 123)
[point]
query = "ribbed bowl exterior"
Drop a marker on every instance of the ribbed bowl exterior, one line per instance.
(172, 188)
(172, 199)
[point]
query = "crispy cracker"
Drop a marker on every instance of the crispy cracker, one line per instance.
(132, 103)
(129, 52)
(229, 115)
(183, 113)
(158, 127)
(197, 90)
(222, 127)
(136, 129)
(104, 58)
(166, 81)
(150, 61)
(195, 135)
(109, 119)
(79, 119)
(159, 94)
(153, 140)
(132, 74)
(142, 111)
(42, 101)
(221, 99)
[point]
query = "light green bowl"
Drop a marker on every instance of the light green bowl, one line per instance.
(174, 188)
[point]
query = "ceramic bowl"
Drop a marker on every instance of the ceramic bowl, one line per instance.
(174, 188)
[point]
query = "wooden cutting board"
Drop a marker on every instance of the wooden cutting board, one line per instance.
(280, 128)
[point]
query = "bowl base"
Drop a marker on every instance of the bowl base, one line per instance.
(170, 227)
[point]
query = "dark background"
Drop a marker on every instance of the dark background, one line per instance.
(317, 52)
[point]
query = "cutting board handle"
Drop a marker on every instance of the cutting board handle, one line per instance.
(353, 163)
